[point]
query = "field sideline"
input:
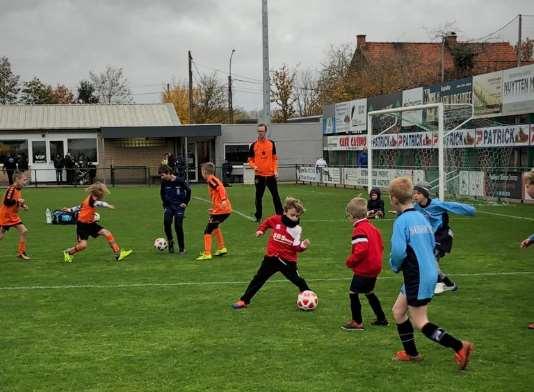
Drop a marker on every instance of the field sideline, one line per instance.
(161, 322)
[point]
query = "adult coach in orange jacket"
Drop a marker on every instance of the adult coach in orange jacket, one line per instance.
(262, 158)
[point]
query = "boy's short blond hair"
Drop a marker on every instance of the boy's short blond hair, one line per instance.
(208, 167)
(291, 202)
(529, 178)
(357, 208)
(19, 174)
(402, 189)
(98, 189)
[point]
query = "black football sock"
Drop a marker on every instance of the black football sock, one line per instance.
(356, 307)
(447, 281)
(406, 336)
(375, 305)
(438, 335)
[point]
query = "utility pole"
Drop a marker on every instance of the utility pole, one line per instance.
(190, 63)
(519, 39)
(266, 76)
(443, 57)
(230, 108)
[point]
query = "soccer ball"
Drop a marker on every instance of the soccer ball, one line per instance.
(307, 300)
(160, 244)
(97, 217)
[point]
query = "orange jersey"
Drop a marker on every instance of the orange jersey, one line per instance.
(220, 203)
(87, 210)
(10, 207)
(262, 157)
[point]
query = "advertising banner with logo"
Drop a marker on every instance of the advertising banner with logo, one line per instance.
(487, 94)
(345, 143)
(405, 140)
(461, 138)
(381, 177)
(471, 183)
(411, 98)
(308, 174)
(507, 136)
(518, 90)
(507, 185)
(452, 92)
(329, 119)
(381, 102)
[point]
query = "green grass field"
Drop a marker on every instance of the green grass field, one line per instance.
(160, 322)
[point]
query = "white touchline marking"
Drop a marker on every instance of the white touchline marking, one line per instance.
(233, 210)
(223, 283)
(507, 216)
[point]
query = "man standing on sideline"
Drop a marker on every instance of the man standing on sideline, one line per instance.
(10, 166)
(262, 158)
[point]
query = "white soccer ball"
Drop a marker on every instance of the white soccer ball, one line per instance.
(97, 217)
(160, 244)
(307, 300)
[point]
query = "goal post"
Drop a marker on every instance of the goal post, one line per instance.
(412, 140)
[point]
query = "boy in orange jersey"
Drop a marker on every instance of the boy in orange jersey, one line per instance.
(263, 159)
(220, 211)
(86, 224)
(9, 209)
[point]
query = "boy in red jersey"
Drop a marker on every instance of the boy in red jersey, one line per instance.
(282, 250)
(220, 211)
(9, 216)
(86, 225)
(365, 261)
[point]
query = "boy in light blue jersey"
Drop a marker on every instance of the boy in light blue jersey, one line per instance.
(436, 211)
(412, 252)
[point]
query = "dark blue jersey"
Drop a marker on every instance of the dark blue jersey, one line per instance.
(174, 193)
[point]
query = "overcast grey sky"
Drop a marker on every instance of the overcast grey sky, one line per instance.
(60, 41)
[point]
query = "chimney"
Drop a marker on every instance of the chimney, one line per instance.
(360, 41)
(450, 39)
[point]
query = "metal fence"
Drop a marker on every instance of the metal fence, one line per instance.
(130, 175)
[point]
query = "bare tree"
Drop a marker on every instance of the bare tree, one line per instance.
(307, 96)
(282, 93)
(9, 88)
(210, 100)
(111, 86)
(333, 75)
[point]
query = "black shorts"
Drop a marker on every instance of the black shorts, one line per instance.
(410, 291)
(362, 284)
(84, 230)
(219, 218)
(5, 228)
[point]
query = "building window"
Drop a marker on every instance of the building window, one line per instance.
(17, 147)
(236, 154)
(84, 148)
(39, 151)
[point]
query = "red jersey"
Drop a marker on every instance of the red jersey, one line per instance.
(367, 250)
(284, 241)
(219, 199)
(10, 207)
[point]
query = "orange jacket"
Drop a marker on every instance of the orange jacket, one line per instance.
(219, 199)
(10, 207)
(262, 157)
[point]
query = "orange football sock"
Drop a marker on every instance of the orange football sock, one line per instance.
(112, 243)
(22, 247)
(219, 237)
(207, 244)
(74, 250)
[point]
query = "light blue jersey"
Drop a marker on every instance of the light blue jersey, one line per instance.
(412, 252)
(435, 211)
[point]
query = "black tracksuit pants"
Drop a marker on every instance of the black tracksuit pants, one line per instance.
(268, 268)
(270, 182)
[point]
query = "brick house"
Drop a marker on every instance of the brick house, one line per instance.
(459, 59)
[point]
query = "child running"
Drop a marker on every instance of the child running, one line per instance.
(436, 211)
(412, 252)
(366, 264)
(529, 186)
(220, 211)
(282, 250)
(9, 213)
(175, 195)
(86, 225)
